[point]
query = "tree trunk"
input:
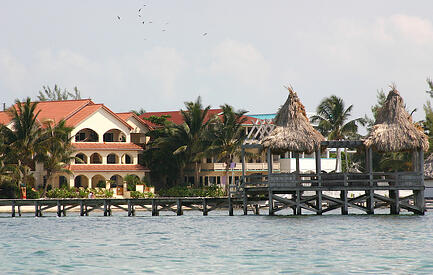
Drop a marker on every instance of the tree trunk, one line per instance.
(337, 162)
(346, 159)
(196, 172)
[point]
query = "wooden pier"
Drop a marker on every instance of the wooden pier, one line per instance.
(86, 206)
(311, 192)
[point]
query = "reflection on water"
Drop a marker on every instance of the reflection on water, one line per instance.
(216, 244)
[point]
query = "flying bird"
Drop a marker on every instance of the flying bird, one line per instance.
(118, 17)
(150, 22)
(142, 22)
(163, 30)
(139, 10)
(205, 34)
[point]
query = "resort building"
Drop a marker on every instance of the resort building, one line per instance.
(212, 171)
(108, 144)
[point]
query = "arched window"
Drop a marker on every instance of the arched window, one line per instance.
(114, 135)
(83, 158)
(95, 158)
(86, 135)
(127, 159)
(112, 159)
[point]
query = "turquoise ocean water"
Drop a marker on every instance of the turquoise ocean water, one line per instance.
(191, 244)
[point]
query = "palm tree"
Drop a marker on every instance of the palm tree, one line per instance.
(24, 139)
(189, 138)
(58, 150)
(227, 135)
(332, 118)
(56, 94)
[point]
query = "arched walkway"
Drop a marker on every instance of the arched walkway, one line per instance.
(81, 181)
(86, 135)
(98, 181)
(115, 181)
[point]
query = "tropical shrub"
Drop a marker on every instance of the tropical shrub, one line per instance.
(138, 194)
(9, 190)
(184, 191)
(100, 184)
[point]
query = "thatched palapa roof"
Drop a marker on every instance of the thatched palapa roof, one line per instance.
(394, 130)
(293, 131)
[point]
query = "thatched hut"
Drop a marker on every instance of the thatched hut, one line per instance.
(293, 131)
(394, 130)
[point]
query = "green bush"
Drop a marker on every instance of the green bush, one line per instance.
(32, 194)
(9, 190)
(183, 191)
(78, 193)
(138, 194)
(101, 184)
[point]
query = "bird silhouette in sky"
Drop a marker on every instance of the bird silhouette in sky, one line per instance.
(205, 34)
(139, 10)
(118, 17)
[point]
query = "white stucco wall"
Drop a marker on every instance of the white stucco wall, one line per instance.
(101, 121)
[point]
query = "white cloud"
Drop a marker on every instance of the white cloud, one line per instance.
(240, 61)
(155, 71)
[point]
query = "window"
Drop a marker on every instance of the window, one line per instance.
(209, 160)
(111, 159)
(128, 159)
(80, 136)
(108, 137)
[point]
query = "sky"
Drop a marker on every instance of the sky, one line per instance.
(239, 52)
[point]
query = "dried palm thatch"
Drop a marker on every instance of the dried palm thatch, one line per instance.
(394, 130)
(293, 131)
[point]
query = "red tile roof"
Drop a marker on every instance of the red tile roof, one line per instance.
(125, 116)
(107, 146)
(176, 116)
(4, 118)
(107, 167)
(56, 110)
(73, 111)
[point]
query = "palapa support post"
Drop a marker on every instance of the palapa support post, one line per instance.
(82, 208)
(204, 207)
(298, 203)
(245, 202)
(395, 204)
(256, 209)
(38, 211)
(269, 156)
(155, 208)
(130, 208)
(419, 195)
(13, 208)
(343, 196)
(319, 181)
(230, 206)
(105, 208)
(370, 193)
(59, 209)
(271, 203)
(179, 210)
(344, 206)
